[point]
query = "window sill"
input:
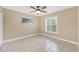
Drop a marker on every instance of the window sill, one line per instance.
(52, 32)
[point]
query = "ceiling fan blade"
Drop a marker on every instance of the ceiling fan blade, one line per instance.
(32, 7)
(43, 7)
(43, 11)
(32, 11)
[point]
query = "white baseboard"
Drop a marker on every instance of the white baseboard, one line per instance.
(31, 35)
(62, 39)
(27, 36)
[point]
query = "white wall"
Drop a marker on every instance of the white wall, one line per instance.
(1, 29)
(13, 28)
(67, 24)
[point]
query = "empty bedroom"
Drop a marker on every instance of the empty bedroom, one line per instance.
(39, 29)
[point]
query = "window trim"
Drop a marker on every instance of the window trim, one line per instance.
(56, 18)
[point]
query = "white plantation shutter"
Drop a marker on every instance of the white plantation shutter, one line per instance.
(51, 24)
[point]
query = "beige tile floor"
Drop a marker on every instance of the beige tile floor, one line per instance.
(38, 44)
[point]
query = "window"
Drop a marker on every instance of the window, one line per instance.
(51, 24)
(26, 20)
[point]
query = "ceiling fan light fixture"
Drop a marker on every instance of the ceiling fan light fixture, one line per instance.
(38, 12)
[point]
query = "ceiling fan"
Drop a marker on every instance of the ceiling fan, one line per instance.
(38, 9)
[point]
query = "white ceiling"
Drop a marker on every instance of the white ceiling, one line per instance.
(27, 9)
